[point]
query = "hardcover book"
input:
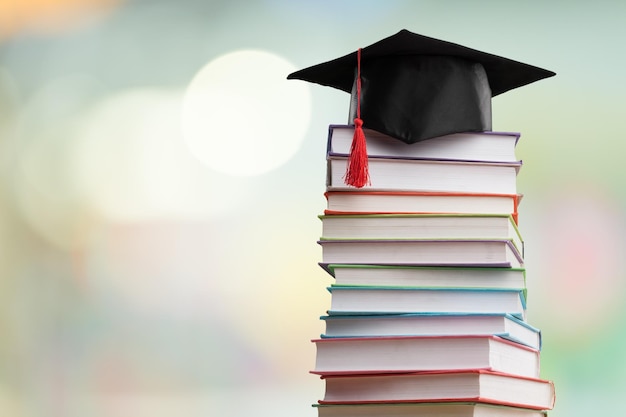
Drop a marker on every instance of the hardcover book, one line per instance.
(429, 175)
(362, 355)
(433, 252)
(386, 300)
(422, 226)
(428, 276)
(440, 386)
(488, 146)
(354, 201)
(440, 409)
(502, 325)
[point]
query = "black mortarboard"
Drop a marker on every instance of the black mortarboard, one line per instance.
(412, 87)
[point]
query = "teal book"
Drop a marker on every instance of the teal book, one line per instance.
(386, 300)
(503, 325)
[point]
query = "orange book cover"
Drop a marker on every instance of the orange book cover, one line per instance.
(350, 201)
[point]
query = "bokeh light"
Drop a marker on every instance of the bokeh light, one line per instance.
(130, 161)
(579, 245)
(241, 117)
(50, 16)
(45, 185)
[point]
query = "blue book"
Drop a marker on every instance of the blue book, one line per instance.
(503, 325)
(386, 300)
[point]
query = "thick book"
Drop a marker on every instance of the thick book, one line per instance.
(438, 409)
(428, 276)
(433, 252)
(441, 386)
(468, 146)
(359, 201)
(387, 300)
(421, 226)
(434, 409)
(421, 324)
(356, 355)
(429, 175)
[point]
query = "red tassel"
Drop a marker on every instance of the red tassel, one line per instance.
(357, 172)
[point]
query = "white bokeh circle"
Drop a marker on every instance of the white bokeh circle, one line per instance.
(130, 162)
(241, 116)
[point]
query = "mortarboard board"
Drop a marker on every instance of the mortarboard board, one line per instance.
(413, 87)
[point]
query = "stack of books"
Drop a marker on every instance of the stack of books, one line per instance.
(428, 305)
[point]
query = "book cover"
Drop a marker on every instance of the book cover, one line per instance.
(426, 252)
(465, 146)
(421, 226)
(428, 276)
(386, 202)
(388, 300)
(357, 355)
(429, 175)
(440, 409)
(502, 325)
(477, 385)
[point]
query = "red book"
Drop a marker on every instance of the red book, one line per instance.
(401, 354)
(384, 202)
(439, 409)
(474, 385)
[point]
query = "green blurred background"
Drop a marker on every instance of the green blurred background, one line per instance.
(160, 182)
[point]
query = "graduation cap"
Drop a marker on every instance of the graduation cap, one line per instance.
(412, 88)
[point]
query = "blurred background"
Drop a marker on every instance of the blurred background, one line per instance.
(160, 182)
